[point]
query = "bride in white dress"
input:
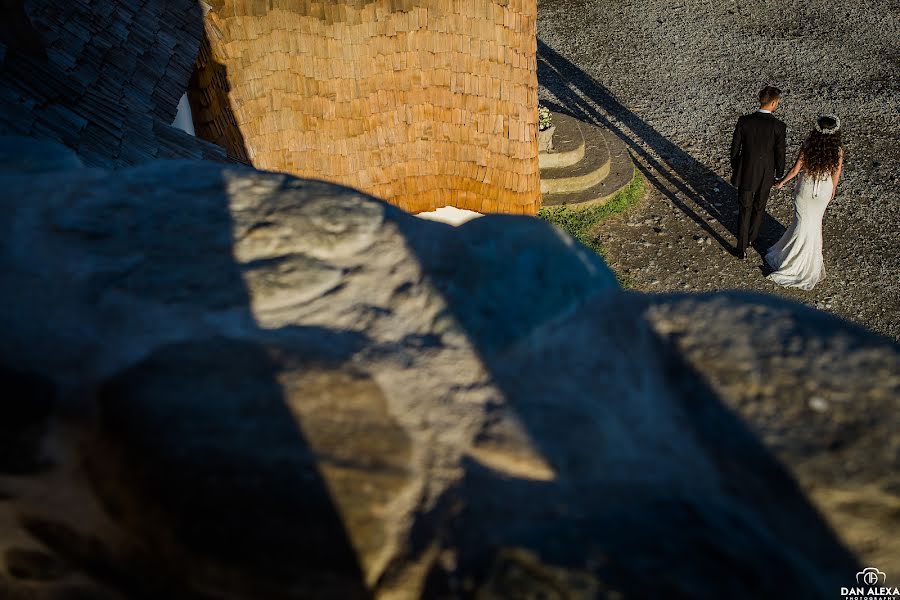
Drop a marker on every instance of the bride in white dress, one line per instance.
(797, 256)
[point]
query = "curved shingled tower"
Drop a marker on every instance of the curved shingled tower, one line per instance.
(424, 103)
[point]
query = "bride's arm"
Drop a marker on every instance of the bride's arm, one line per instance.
(792, 173)
(836, 174)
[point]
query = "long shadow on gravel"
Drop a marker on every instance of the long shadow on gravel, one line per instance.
(579, 95)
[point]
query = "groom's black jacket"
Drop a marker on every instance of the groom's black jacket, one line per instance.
(757, 151)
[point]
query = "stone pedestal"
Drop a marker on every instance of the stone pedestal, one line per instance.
(545, 139)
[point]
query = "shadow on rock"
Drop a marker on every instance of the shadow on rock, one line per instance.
(299, 391)
(652, 487)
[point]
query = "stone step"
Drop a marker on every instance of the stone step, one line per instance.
(568, 144)
(619, 174)
(586, 173)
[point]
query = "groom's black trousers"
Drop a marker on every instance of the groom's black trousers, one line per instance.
(752, 209)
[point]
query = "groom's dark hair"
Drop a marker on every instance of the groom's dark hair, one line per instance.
(768, 94)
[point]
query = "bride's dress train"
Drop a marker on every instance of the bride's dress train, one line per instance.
(797, 256)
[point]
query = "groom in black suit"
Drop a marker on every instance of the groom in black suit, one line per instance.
(757, 161)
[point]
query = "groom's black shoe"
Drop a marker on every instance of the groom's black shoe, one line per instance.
(741, 254)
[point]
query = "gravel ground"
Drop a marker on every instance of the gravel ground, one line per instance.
(671, 78)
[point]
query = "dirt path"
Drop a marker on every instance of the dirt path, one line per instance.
(671, 78)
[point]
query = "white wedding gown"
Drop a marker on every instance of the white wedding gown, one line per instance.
(797, 256)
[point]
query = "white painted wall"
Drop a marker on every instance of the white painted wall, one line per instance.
(451, 215)
(183, 119)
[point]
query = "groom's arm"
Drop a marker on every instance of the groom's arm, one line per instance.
(780, 145)
(736, 142)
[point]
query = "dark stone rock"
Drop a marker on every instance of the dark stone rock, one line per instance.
(246, 457)
(24, 414)
(304, 392)
(33, 565)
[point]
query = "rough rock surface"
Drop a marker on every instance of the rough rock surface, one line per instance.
(671, 78)
(822, 402)
(270, 387)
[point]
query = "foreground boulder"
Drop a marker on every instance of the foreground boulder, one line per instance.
(269, 387)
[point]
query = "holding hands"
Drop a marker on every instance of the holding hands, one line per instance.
(795, 170)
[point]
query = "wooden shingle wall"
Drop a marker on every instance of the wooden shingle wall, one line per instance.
(424, 103)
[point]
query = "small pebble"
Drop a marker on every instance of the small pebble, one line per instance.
(818, 404)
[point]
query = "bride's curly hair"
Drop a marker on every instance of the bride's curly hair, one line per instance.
(822, 149)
